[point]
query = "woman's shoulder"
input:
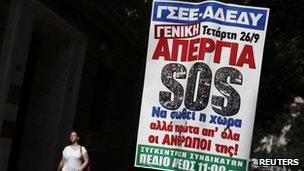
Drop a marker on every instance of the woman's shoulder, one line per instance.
(84, 150)
(65, 150)
(80, 146)
(67, 147)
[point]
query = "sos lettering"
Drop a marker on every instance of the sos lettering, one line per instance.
(197, 99)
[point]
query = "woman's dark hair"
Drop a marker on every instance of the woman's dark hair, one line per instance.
(73, 131)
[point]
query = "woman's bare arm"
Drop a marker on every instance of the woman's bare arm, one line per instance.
(60, 164)
(86, 161)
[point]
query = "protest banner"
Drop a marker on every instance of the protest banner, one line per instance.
(201, 83)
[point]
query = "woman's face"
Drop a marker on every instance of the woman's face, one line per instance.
(74, 137)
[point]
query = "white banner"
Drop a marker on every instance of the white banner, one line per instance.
(201, 83)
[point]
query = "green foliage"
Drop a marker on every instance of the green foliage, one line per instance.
(282, 75)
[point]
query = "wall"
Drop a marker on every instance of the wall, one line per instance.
(14, 56)
(7, 121)
(108, 105)
(110, 91)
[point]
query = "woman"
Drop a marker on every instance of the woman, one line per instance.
(74, 156)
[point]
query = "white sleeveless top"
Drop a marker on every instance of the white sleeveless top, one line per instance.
(72, 158)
